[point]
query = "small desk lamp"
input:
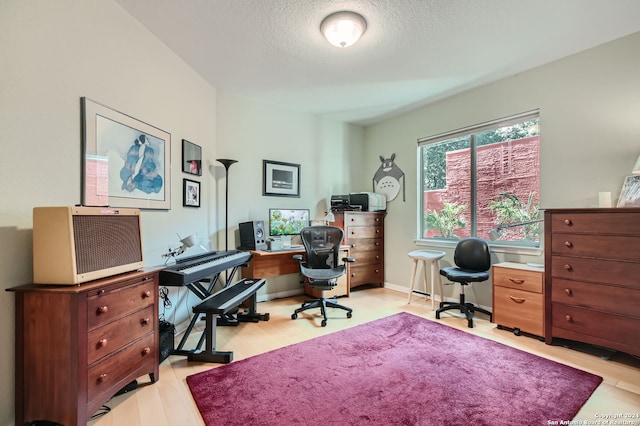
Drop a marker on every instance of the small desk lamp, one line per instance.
(187, 242)
(636, 168)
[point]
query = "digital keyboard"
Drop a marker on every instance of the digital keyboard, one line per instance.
(195, 268)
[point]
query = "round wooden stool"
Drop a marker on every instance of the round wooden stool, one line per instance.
(424, 256)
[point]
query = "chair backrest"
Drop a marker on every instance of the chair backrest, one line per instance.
(473, 254)
(322, 244)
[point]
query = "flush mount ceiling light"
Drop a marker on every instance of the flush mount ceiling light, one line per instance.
(342, 29)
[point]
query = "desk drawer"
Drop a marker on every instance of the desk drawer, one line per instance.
(517, 279)
(115, 335)
(519, 309)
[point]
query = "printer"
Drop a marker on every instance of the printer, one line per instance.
(368, 201)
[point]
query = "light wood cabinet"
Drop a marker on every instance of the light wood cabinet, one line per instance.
(77, 346)
(592, 259)
(364, 234)
(518, 297)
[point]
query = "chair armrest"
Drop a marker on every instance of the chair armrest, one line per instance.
(348, 259)
(297, 257)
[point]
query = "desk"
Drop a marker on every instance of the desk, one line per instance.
(265, 264)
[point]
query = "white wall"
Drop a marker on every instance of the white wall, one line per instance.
(53, 53)
(251, 131)
(590, 138)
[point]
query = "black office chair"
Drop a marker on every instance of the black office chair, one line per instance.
(321, 267)
(473, 261)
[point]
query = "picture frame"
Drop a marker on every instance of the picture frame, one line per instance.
(126, 162)
(190, 193)
(191, 158)
(630, 192)
(280, 179)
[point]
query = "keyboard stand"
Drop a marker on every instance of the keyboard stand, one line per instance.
(202, 292)
(221, 303)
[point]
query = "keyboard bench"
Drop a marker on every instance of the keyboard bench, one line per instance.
(221, 303)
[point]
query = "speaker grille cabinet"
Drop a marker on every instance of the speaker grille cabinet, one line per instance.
(72, 245)
(252, 235)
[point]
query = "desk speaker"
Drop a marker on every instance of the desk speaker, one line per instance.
(252, 235)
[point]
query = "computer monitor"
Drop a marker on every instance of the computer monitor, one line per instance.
(287, 221)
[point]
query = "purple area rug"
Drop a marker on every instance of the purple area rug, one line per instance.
(400, 370)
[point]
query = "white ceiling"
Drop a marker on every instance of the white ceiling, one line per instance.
(413, 52)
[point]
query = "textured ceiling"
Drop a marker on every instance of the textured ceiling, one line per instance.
(413, 52)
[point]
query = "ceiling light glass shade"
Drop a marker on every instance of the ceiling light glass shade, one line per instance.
(342, 29)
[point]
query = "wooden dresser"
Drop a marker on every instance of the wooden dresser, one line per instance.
(364, 234)
(76, 346)
(518, 297)
(592, 276)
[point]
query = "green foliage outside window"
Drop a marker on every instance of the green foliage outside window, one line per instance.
(447, 220)
(510, 209)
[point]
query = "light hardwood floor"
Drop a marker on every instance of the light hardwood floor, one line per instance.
(169, 402)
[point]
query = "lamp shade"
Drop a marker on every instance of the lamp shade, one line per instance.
(342, 29)
(636, 168)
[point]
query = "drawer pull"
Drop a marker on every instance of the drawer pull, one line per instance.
(568, 222)
(568, 244)
(102, 310)
(102, 343)
(516, 280)
(568, 318)
(568, 291)
(568, 267)
(146, 294)
(103, 377)
(146, 351)
(517, 299)
(99, 292)
(145, 321)
(377, 231)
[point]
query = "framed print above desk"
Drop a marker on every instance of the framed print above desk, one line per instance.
(280, 179)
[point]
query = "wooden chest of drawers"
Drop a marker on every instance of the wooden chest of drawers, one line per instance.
(76, 346)
(592, 259)
(518, 298)
(364, 234)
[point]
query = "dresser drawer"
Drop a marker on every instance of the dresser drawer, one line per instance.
(596, 223)
(366, 274)
(366, 258)
(355, 232)
(603, 246)
(595, 270)
(570, 321)
(607, 298)
(108, 372)
(115, 335)
(514, 308)
(120, 302)
(366, 244)
(366, 219)
(517, 279)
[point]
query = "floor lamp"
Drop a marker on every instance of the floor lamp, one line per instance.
(226, 163)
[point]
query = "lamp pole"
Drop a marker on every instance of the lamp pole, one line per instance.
(226, 163)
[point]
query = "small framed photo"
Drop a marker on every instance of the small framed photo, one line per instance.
(280, 179)
(630, 193)
(191, 158)
(190, 193)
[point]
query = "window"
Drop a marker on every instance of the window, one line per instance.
(483, 181)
